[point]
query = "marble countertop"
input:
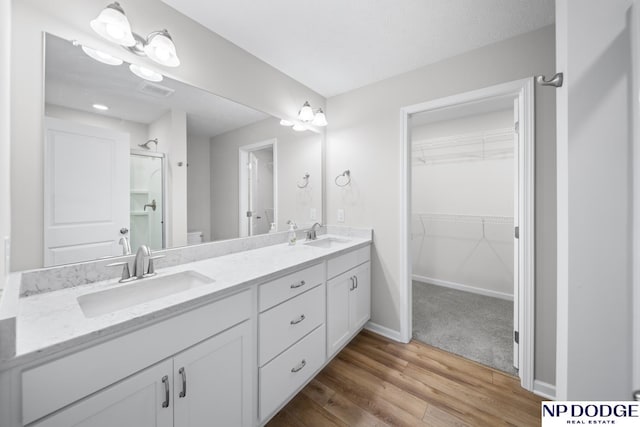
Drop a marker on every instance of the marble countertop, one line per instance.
(52, 322)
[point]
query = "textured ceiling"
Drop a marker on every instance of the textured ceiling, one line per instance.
(334, 46)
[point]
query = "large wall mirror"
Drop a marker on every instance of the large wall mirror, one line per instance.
(132, 160)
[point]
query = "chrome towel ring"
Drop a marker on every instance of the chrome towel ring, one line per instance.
(347, 175)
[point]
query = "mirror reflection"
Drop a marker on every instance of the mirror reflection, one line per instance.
(130, 161)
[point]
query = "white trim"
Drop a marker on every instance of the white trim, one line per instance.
(384, 331)
(546, 390)
(524, 91)
(635, 55)
(243, 158)
(462, 287)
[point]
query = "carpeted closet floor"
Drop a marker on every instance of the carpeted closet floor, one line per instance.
(474, 326)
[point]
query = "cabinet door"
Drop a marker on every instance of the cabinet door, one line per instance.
(338, 328)
(136, 401)
(360, 298)
(212, 381)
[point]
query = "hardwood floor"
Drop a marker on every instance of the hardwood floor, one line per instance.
(378, 382)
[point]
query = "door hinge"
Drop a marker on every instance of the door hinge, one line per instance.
(516, 232)
(516, 127)
(249, 214)
(516, 337)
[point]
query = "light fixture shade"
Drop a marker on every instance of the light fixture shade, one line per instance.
(319, 119)
(145, 73)
(100, 56)
(306, 112)
(298, 127)
(285, 122)
(113, 25)
(160, 48)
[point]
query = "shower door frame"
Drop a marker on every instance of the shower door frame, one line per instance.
(523, 90)
(163, 158)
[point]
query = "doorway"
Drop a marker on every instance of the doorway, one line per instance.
(258, 188)
(468, 217)
(147, 199)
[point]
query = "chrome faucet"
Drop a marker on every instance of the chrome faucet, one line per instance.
(311, 233)
(142, 255)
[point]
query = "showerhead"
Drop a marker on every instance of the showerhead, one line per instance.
(146, 144)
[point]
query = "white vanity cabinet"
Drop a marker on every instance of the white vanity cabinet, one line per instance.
(348, 297)
(196, 374)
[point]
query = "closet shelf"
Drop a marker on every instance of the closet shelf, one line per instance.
(494, 144)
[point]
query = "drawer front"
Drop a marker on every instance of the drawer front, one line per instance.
(286, 323)
(342, 263)
(285, 374)
(279, 290)
(87, 371)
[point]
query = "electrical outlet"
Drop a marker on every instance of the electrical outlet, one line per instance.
(313, 214)
(340, 215)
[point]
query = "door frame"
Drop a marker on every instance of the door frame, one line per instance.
(243, 191)
(523, 90)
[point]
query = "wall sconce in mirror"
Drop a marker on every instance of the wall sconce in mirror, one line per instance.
(343, 179)
(113, 25)
(305, 180)
(315, 117)
(145, 73)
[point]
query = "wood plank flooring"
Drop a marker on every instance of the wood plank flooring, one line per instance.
(379, 382)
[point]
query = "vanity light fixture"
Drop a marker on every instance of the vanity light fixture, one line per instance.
(100, 107)
(145, 73)
(298, 127)
(113, 25)
(307, 114)
(285, 122)
(100, 56)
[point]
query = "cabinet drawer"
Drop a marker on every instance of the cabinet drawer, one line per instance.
(278, 290)
(342, 263)
(87, 371)
(285, 374)
(288, 322)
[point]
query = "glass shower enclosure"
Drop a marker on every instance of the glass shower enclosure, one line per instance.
(147, 196)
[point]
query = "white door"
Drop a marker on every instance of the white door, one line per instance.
(141, 400)
(360, 298)
(86, 191)
(516, 225)
(212, 381)
(338, 290)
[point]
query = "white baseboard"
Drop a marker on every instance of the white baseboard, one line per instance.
(461, 287)
(545, 390)
(384, 331)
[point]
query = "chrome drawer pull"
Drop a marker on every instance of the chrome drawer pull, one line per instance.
(356, 279)
(299, 284)
(165, 381)
(183, 374)
(299, 367)
(298, 320)
(353, 283)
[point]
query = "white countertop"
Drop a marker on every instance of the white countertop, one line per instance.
(51, 322)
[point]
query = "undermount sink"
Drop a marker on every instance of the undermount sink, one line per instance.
(140, 291)
(328, 242)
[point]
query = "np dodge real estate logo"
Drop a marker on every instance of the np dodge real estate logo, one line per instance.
(620, 414)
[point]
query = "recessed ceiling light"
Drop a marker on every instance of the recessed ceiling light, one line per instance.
(100, 107)
(145, 73)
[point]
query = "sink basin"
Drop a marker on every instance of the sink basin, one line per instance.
(138, 292)
(327, 243)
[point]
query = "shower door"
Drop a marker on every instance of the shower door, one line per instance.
(147, 200)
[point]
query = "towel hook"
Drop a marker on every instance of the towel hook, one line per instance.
(346, 174)
(305, 178)
(555, 81)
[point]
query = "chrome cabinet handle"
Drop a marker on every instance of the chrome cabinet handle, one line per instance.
(183, 374)
(299, 367)
(353, 283)
(298, 320)
(356, 279)
(165, 381)
(299, 284)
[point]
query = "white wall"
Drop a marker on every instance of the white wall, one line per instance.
(199, 185)
(297, 153)
(462, 252)
(364, 136)
(137, 131)
(5, 134)
(225, 70)
(595, 205)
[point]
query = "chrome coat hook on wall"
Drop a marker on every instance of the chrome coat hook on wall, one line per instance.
(347, 175)
(305, 179)
(555, 81)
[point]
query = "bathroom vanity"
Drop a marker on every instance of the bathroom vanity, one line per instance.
(231, 339)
